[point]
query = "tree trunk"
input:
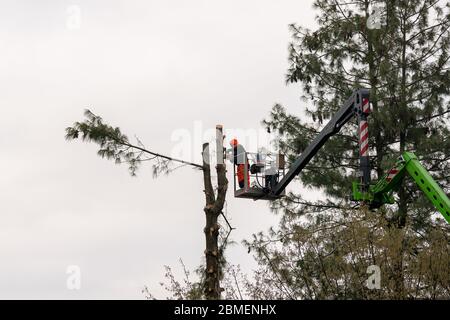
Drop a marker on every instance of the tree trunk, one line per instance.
(376, 128)
(213, 209)
(403, 196)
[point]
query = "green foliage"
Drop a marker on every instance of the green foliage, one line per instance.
(406, 65)
(113, 144)
(321, 248)
(328, 257)
(187, 289)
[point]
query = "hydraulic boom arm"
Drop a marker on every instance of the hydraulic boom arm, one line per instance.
(381, 192)
(357, 104)
(427, 184)
(375, 195)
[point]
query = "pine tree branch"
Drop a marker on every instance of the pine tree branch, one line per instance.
(430, 52)
(425, 30)
(423, 9)
(437, 115)
(159, 155)
(115, 145)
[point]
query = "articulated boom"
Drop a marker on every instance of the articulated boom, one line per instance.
(381, 193)
(375, 195)
(356, 105)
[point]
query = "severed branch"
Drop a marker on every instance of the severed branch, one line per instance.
(115, 145)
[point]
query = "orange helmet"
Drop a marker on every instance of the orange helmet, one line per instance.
(233, 142)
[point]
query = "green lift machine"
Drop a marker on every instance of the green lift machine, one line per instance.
(374, 195)
(382, 192)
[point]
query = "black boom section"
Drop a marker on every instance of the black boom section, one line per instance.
(350, 108)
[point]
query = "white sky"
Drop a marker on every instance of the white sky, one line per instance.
(152, 68)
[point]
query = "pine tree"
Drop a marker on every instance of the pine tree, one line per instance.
(405, 63)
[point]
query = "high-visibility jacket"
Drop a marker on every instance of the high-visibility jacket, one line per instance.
(241, 175)
(239, 160)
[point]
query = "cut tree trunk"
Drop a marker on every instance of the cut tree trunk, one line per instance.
(213, 208)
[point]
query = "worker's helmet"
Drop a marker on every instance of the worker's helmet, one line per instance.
(233, 142)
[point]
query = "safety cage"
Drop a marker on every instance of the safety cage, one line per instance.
(262, 171)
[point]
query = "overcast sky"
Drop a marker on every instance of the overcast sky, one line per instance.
(156, 69)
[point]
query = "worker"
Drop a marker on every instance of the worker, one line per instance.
(271, 176)
(239, 157)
